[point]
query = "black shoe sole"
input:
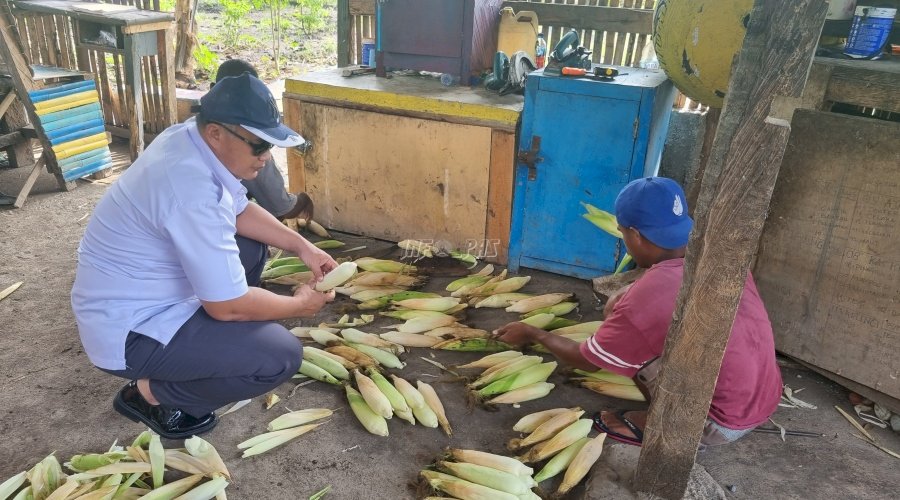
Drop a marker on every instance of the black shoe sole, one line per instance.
(135, 416)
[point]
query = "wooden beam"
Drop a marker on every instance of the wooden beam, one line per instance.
(737, 187)
(873, 84)
(343, 33)
(361, 7)
(588, 17)
(11, 139)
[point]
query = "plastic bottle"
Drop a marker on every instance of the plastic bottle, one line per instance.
(540, 51)
(447, 79)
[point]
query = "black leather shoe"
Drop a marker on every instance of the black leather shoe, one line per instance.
(170, 423)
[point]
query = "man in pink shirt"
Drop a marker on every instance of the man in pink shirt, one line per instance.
(653, 219)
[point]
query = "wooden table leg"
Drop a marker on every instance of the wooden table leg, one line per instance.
(165, 49)
(29, 182)
(133, 94)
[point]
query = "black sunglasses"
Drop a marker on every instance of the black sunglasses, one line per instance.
(256, 148)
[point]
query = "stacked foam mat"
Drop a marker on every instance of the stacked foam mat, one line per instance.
(73, 122)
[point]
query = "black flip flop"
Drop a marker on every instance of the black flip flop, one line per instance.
(620, 415)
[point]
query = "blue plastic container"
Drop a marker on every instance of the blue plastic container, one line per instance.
(368, 53)
(869, 31)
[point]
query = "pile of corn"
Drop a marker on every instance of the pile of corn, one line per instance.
(424, 249)
(283, 429)
(509, 377)
(559, 436)
(349, 350)
(129, 472)
(609, 384)
(476, 475)
(375, 400)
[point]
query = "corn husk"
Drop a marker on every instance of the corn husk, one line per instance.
(408, 314)
(560, 309)
(581, 464)
(530, 422)
(281, 271)
(206, 490)
(602, 219)
(548, 429)
(588, 327)
(352, 355)
(374, 423)
(523, 394)
(325, 338)
(606, 376)
(337, 277)
(473, 345)
(157, 460)
(374, 293)
(358, 337)
(174, 489)
(492, 359)
(203, 450)
(502, 370)
(477, 290)
(271, 400)
(628, 392)
(383, 357)
(434, 402)
(471, 280)
(8, 487)
(328, 244)
(458, 331)
(184, 462)
(297, 418)
(501, 300)
(276, 439)
(539, 320)
(410, 339)
(374, 278)
(382, 265)
(537, 302)
(302, 332)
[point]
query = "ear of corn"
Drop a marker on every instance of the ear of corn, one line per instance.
(581, 464)
(206, 490)
(434, 402)
(561, 460)
(458, 332)
(408, 314)
(501, 300)
(486, 476)
(410, 339)
(460, 488)
(201, 449)
(522, 394)
(500, 371)
(602, 219)
(383, 357)
(578, 337)
(328, 244)
(398, 402)
(387, 279)
(374, 423)
(413, 397)
(314, 371)
(473, 345)
(173, 489)
(606, 376)
(588, 327)
(324, 337)
(432, 304)
(492, 359)
(83, 463)
(546, 449)
(374, 293)
(277, 272)
(539, 320)
(346, 363)
(8, 487)
(352, 355)
(480, 289)
(299, 417)
(325, 362)
(530, 422)
(548, 429)
(510, 285)
(528, 376)
(373, 396)
(424, 324)
(317, 229)
(629, 392)
(337, 276)
(387, 266)
(499, 462)
(560, 323)
(425, 416)
(359, 337)
(560, 309)
(537, 302)
(277, 438)
(157, 460)
(474, 280)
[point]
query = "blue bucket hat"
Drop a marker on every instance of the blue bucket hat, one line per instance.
(657, 208)
(246, 101)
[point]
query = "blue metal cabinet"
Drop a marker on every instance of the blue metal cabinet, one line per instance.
(582, 140)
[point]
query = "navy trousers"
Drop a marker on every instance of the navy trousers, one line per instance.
(211, 363)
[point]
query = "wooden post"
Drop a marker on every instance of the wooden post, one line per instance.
(343, 33)
(770, 72)
(185, 38)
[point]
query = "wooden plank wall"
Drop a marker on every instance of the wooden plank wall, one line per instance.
(51, 40)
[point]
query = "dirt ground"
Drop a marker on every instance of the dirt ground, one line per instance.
(53, 400)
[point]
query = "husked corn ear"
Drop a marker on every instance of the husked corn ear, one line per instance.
(421, 247)
(410, 339)
(474, 280)
(473, 345)
(560, 309)
(539, 320)
(560, 461)
(387, 279)
(522, 394)
(461, 488)
(352, 355)
(546, 449)
(325, 362)
(537, 302)
(433, 304)
(588, 327)
(174, 489)
(424, 324)
(629, 392)
(606, 376)
(373, 396)
(434, 402)
(458, 331)
(486, 476)
(374, 423)
(382, 265)
(499, 462)
(299, 417)
(581, 464)
(316, 372)
(374, 293)
(383, 357)
(548, 429)
(501, 300)
(500, 371)
(337, 276)
(359, 337)
(530, 422)
(528, 376)
(398, 402)
(492, 359)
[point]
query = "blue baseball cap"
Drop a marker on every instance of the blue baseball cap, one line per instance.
(657, 208)
(246, 101)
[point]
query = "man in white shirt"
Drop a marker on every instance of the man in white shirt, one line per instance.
(166, 291)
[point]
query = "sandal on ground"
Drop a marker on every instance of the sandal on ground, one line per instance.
(638, 438)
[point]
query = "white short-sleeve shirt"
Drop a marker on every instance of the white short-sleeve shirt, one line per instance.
(161, 239)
